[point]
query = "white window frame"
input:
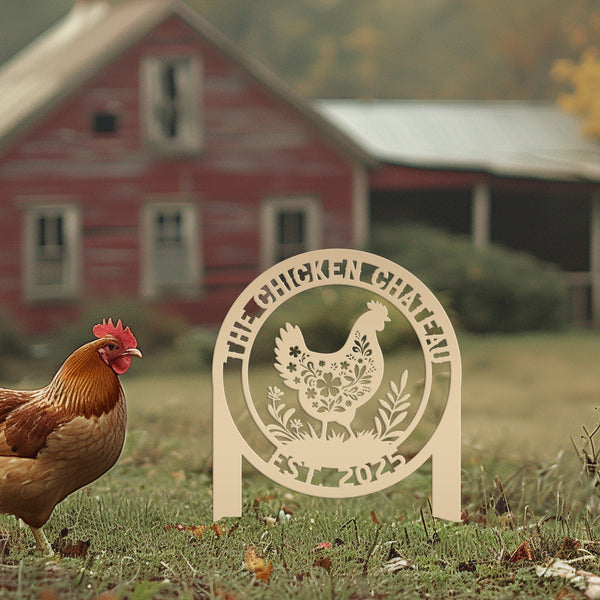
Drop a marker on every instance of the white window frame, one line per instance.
(151, 286)
(270, 211)
(190, 137)
(70, 286)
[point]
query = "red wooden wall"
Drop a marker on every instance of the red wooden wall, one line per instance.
(255, 146)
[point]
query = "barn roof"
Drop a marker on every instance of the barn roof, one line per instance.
(511, 139)
(94, 33)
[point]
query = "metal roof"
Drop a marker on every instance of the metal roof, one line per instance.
(520, 139)
(95, 32)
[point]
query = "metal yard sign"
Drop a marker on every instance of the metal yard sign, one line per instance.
(339, 421)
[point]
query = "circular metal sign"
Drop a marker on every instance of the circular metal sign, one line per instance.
(342, 421)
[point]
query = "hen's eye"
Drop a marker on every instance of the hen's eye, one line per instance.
(112, 347)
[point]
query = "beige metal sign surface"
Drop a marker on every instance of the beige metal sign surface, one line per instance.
(340, 422)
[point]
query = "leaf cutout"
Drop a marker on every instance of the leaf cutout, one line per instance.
(397, 420)
(404, 379)
(385, 405)
(288, 415)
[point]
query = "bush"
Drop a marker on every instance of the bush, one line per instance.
(13, 349)
(155, 332)
(488, 289)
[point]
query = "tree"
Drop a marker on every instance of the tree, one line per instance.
(584, 79)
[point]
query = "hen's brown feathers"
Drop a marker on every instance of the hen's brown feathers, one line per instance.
(84, 386)
(61, 437)
(23, 432)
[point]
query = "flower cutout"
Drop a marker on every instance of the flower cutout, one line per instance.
(329, 385)
(294, 351)
(291, 367)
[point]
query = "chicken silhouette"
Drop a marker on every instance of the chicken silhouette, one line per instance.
(331, 387)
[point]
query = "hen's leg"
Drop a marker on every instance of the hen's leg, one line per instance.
(42, 541)
(323, 430)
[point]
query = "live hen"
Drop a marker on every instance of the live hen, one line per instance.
(62, 437)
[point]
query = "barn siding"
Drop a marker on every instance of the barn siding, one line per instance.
(255, 147)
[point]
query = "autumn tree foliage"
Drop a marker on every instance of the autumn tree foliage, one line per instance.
(583, 77)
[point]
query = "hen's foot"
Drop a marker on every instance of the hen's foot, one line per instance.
(42, 541)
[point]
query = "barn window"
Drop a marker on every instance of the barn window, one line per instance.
(52, 252)
(171, 103)
(289, 227)
(171, 250)
(105, 122)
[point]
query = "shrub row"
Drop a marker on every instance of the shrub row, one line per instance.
(486, 289)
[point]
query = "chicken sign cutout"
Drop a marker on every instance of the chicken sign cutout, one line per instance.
(332, 386)
(328, 417)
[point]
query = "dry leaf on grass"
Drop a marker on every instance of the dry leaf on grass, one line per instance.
(589, 583)
(255, 564)
(523, 552)
(323, 561)
(68, 549)
(322, 546)
(397, 564)
(197, 530)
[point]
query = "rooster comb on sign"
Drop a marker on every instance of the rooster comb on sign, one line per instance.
(123, 335)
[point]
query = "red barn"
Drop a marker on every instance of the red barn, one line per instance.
(142, 155)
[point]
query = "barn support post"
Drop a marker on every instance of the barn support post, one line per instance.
(360, 207)
(481, 214)
(595, 257)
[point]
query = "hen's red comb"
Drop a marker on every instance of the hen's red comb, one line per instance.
(123, 335)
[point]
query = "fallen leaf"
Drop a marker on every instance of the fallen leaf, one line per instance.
(589, 583)
(322, 546)
(68, 549)
(323, 561)
(523, 552)
(225, 595)
(397, 564)
(568, 548)
(178, 475)
(255, 564)
(266, 498)
(197, 530)
(375, 518)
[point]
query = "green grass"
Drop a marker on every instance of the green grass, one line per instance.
(523, 397)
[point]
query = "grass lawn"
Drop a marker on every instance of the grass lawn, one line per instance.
(148, 521)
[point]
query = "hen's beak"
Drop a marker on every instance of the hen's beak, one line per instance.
(133, 352)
